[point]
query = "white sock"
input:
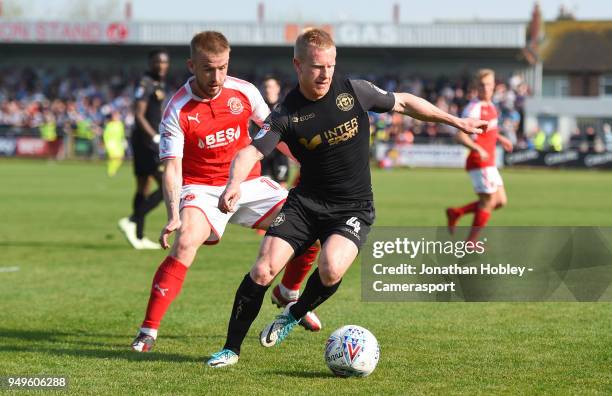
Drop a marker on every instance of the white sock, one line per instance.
(288, 293)
(148, 331)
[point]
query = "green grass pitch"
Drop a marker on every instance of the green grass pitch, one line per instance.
(74, 306)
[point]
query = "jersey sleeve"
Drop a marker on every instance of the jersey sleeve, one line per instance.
(472, 110)
(172, 137)
(144, 89)
(373, 98)
(273, 130)
(259, 107)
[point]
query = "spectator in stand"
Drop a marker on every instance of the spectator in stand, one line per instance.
(607, 132)
(509, 126)
(576, 141)
(591, 137)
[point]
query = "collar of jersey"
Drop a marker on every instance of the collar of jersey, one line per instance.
(196, 97)
(314, 101)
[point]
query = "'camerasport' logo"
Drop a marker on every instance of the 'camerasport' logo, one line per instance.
(345, 101)
(235, 105)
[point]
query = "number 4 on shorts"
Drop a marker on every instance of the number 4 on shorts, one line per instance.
(353, 222)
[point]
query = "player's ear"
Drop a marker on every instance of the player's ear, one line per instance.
(296, 65)
(190, 65)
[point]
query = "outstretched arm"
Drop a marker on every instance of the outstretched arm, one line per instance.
(263, 143)
(421, 109)
(239, 170)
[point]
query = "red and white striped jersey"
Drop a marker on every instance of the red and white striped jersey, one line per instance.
(487, 140)
(207, 133)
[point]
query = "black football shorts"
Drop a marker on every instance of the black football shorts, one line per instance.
(304, 219)
(146, 158)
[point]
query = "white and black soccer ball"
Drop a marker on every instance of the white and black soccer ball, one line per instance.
(352, 351)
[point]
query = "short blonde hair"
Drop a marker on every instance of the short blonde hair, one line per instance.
(210, 42)
(482, 73)
(315, 37)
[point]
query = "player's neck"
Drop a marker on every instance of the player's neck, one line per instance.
(310, 96)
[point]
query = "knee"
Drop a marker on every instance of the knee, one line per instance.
(263, 271)
(488, 203)
(185, 248)
(329, 276)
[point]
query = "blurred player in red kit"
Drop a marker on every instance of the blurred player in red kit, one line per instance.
(480, 164)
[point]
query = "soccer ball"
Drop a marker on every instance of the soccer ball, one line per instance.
(352, 351)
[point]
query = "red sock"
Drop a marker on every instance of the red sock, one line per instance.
(167, 284)
(298, 268)
(469, 208)
(481, 217)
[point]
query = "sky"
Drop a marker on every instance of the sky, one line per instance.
(304, 11)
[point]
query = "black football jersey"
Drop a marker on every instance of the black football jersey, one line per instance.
(330, 137)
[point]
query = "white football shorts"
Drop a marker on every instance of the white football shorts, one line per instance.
(259, 197)
(486, 180)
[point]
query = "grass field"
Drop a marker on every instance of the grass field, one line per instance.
(74, 306)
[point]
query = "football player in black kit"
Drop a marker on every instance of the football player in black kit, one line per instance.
(324, 121)
(275, 165)
(149, 98)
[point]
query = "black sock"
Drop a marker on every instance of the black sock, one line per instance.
(315, 293)
(137, 214)
(152, 201)
(247, 304)
(136, 202)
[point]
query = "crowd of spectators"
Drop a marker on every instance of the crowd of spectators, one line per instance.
(451, 95)
(592, 136)
(81, 100)
(29, 97)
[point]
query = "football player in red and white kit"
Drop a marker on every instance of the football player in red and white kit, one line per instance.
(203, 126)
(486, 180)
